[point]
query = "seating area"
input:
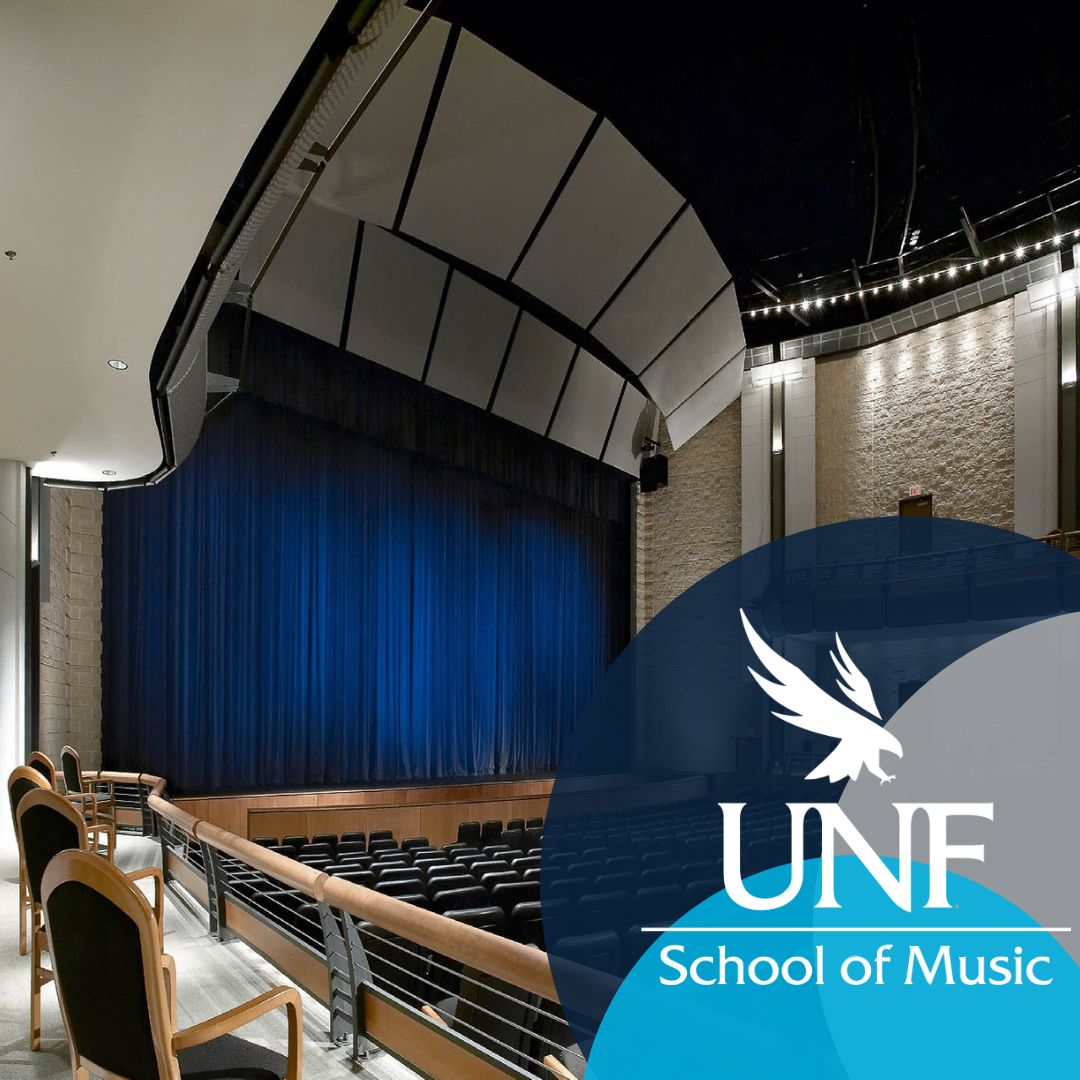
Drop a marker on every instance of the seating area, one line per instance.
(495, 886)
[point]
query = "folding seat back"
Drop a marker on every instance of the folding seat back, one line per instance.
(316, 862)
(468, 861)
(265, 841)
(491, 833)
(657, 905)
(616, 883)
(377, 845)
(497, 877)
(401, 873)
(487, 866)
(524, 862)
(469, 832)
(284, 849)
(294, 841)
(490, 918)
(604, 911)
(455, 899)
(357, 877)
(660, 875)
(354, 837)
(325, 838)
(567, 888)
(444, 884)
(526, 924)
(356, 859)
(408, 887)
(697, 892)
(380, 834)
(317, 849)
(516, 823)
(600, 951)
(532, 874)
(410, 843)
(534, 823)
(456, 851)
(515, 838)
(512, 893)
(495, 851)
(438, 870)
(351, 847)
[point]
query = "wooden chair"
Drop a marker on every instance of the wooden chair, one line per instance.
(44, 765)
(99, 808)
(46, 824)
(22, 781)
(131, 1031)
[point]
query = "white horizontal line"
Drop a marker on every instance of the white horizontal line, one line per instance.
(856, 929)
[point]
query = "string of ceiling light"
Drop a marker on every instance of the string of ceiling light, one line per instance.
(952, 272)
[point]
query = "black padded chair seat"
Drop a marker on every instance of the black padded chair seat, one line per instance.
(230, 1058)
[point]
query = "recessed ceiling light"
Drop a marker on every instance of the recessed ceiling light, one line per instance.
(118, 365)
(108, 472)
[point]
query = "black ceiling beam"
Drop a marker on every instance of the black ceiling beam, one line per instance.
(971, 234)
(770, 290)
(859, 290)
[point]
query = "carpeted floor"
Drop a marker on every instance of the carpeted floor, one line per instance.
(212, 978)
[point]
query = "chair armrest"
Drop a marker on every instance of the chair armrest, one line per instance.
(169, 966)
(431, 1014)
(557, 1068)
(159, 891)
(87, 799)
(243, 1014)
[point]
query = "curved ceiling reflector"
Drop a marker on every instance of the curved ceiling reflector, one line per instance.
(483, 232)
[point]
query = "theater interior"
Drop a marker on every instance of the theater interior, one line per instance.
(375, 374)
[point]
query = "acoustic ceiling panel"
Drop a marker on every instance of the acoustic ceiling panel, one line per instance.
(534, 375)
(706, 403)
(308, 280)
(705, 346)
(630, 427)
(500, 141)
(612, 209)
(664, 294)
(366, 176)
(395, 303)
(470, 341)
(587, 405)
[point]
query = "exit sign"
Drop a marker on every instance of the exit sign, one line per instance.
(915, 489)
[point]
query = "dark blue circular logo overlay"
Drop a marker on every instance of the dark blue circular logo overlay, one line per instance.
(818, 820)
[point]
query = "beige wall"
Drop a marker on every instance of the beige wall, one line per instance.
(694, 525)
(71, 628)
(933, 408)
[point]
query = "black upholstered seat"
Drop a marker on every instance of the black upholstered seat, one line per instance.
(469, 832)
(230, 1058)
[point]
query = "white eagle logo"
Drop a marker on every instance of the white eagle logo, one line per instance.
(812, 709)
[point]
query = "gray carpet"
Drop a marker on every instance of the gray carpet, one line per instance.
(212, 978)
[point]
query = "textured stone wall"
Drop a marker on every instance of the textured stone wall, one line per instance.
(71, 628)
(694, 525)
(934, 408)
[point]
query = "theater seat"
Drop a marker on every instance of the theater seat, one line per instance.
(469, 832)
(491, 833)
(508, 896)
(410, 843)
(294, 841)
(456, 899)
(526, 924)
(492, 919)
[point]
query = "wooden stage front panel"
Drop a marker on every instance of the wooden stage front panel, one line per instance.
(434, 811)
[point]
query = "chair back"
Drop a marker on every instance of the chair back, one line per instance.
(44, 765)
(71, 765)
(126, 1031)
(46, 824)
(21, 782)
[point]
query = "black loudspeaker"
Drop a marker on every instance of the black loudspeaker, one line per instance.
(653, 472)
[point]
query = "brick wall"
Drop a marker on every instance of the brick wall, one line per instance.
(934, 408)
(694, 525)
(71, 628)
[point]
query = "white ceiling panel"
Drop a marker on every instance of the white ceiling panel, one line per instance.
(613, 207)
(501, 140)
(668, 289)
(624, 446)
(471, 341)
(587, 406)
(308, 280)
(123, 126)
(366, 176)
(702, 349)
(395, 303)
(706, 403)
(534, 375)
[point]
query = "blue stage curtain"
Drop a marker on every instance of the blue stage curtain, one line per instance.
(303, 605)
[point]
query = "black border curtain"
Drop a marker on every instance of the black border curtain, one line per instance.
(355, 579)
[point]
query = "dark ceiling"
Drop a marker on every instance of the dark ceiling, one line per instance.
(791, 128)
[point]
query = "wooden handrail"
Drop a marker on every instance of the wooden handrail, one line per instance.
(501, 958)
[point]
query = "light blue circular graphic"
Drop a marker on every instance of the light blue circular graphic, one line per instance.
(876, 722)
